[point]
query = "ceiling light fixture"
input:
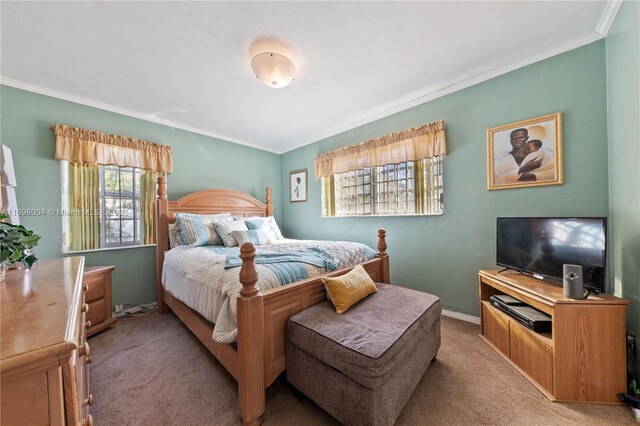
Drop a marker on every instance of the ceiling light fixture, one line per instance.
(273, 69)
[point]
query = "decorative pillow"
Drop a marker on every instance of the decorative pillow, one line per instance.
(175, 238)
(263, 225)
(225, 229)
(196, 230)
(348, 289)
(270, 221)
(258, 236)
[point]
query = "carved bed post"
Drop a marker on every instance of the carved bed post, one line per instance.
(162, 240)
(382, 253)
(250, 341)
(269, 203)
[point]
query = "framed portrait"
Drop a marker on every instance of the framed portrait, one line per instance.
(298, 186)
(525, 153)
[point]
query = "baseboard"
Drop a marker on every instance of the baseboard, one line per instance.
(463, 317)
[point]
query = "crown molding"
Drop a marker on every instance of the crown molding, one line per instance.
(608, 16)
(123, 111)
(448, 88)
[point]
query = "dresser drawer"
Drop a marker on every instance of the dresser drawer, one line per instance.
(95, 286)
(97, 312)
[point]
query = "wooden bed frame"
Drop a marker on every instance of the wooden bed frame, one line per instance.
(259, 356)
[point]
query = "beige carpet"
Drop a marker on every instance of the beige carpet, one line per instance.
(150, 370)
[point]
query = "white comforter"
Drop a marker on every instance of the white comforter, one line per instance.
(196, 276)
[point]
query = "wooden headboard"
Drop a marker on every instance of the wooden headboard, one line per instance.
(212, 201)
(209, 201)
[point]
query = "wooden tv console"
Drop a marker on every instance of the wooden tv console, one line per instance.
(582, 359)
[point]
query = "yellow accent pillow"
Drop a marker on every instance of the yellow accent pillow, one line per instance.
(348, 289)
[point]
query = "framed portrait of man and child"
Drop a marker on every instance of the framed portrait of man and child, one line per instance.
(525, 153)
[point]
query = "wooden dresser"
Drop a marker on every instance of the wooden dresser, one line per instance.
(44, 353)
(97, 280)
(582, 358)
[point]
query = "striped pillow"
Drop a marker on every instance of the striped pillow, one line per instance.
(175, 237)
(256, 236)
(269, 221)
(225, 229)
(196, 229)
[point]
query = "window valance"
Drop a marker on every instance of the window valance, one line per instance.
(427, 141)
(88, 146)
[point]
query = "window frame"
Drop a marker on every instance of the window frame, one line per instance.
(65, 212)
(435, 188)
(104, 211)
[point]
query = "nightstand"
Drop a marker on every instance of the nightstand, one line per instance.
(97, 282)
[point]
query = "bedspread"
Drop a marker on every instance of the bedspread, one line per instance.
(214, 289)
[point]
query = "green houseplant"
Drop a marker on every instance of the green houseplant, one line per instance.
(16, 245)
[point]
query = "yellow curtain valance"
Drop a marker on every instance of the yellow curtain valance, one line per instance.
(416, 144)
(91, 147)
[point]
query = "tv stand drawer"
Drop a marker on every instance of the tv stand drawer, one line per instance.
(532, 355)
(495, 328)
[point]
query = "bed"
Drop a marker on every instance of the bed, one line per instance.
(258, 356)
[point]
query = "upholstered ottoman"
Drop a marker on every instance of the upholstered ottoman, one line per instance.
(362, 366)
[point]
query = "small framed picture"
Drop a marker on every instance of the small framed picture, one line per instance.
(525, 153)
(298, 186)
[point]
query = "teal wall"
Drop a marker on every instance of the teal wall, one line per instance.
(442, 254)
(623, 115)
(200, 162)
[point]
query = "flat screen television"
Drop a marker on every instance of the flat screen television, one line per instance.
(541, 245)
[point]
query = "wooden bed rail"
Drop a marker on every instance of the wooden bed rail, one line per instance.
(382, 254)
(162, 239)
(251, 387)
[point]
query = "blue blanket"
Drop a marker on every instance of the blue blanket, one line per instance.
(315, 257)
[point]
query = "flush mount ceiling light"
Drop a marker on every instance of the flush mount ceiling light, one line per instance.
(273, 69)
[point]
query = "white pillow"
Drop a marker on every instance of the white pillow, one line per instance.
(225, 229)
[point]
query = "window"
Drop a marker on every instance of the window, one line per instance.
(119, 206)
(108, 188)
(396, 174)
(407, 188)
(106, 206)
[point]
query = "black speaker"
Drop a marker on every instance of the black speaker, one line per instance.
(572, 284)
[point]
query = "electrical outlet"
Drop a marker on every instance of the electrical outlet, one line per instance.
(118, 308)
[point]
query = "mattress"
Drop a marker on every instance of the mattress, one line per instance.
(197, 275)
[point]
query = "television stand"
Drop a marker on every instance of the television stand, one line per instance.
(582, 359)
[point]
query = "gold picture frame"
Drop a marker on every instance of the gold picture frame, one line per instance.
(525, 153)
(298, 186)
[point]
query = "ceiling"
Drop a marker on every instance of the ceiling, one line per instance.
(187, 64)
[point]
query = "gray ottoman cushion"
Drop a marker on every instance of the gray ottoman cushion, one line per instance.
(363, 365)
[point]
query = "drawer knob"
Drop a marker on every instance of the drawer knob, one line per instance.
(88, 421)
(88, 401)
(84, 350)
(89, 360)
(85, 308)
(85, 287)
(87, 325)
